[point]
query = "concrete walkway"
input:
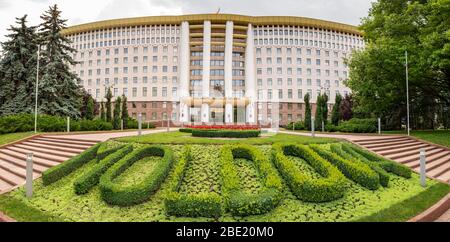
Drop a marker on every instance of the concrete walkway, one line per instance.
(49, 151)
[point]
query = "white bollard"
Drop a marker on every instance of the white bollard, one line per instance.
(140, 124)
(121, 124)
(29, 176)
(68, 124)
(423, 168)
(379, 125)
(323, 127)
(312, 127)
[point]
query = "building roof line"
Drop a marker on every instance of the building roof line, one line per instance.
(216, 18)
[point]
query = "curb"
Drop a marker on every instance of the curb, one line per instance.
(434, 212)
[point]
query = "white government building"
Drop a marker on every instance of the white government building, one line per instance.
(214, 68)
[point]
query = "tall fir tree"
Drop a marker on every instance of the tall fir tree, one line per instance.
(125, 112)
(319, 112)
(325, 100)
(59, 91)
(335, 113)
(116, 120)
(108, 105)
(18, 69)
(90, 109)
(102, 111)
(307, 112)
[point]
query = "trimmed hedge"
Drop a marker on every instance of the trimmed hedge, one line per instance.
(120, 195)
(89, 179)
(57, 172)
(356, 125)
(186, 131)
(190, 205)
(353, 169)
(329, 188)
(387, 165)
(226, 133)
(46, 123)
(237, 201)
(346, 151)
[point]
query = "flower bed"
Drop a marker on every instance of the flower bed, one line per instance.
(223, 127)
(226, 133)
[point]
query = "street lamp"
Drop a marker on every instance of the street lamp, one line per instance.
(37, 85)
(407, 92)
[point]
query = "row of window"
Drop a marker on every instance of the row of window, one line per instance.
(125, 81)
(125, 50)
(301, 42)
(289, 82)
(299, 61)
(134, 92)
(299, 71)
(269, 95)
(125, 70)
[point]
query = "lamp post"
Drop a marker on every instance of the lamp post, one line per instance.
(407, 92)
(36, 93)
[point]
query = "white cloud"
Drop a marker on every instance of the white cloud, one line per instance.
(82, 11)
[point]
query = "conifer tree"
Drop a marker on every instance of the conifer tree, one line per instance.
(90, 109)
(59, 91)
(307, 112)
(18, 69)
(116, 121)
(125, 112)
(108, 106)
(102, 112)
(336, 115)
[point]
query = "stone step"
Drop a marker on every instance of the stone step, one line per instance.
(40, 154)
(384, 144)
(415, 156)
(399, 150)
(4, 186)
(46, 142)
(92, 142)
(66, 155)
(21, 163)
(53, 147)
(10, 178)
(438, 171)
(381, 140)
(432, 161)
(23, 157)
(394, 146)
(16, 170)
(411, 154)
(445, 176)
(67, 141)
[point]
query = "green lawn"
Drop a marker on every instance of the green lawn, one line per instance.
(441, 137)
(185, 138)
(403, 199)
(8, 138)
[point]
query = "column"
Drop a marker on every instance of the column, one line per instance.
(229, 70)
(184, 71)
(206, 68)
(250, 79)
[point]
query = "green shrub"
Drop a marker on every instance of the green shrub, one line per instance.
(122, 195)
(190, 205)
(226, 133)
(331, 128)
(57, 172)
(134, 124)
(237, 201)
(353, 169)
(46, 123)
(296, 126)
(347, 151)
(186, 131)
(89, 179)
(329, 188)
(387, 165)
(358, 126)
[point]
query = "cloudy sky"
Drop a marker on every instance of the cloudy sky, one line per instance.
(82, 11)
